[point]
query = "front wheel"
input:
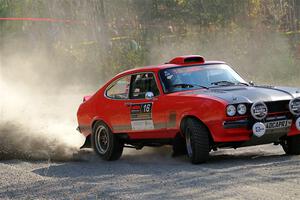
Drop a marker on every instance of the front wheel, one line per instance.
(106, 144)
(291, 145)
(197, 141)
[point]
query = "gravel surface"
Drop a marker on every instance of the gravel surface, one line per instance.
(260, 172)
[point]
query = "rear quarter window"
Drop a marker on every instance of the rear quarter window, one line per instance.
(119, 89)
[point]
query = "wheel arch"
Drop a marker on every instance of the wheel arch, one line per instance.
(88, 139)
(98, 119)
(183, 124)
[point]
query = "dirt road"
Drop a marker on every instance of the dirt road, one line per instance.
(262, 172)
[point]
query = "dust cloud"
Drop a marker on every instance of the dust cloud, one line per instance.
(40, 94)
(38, 116)
(46, 69)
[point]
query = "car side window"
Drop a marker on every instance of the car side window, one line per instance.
(142, 83)
(119, 89)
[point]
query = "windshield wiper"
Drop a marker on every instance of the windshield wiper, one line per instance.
(188, 85)
(241, 83)
(223, 83)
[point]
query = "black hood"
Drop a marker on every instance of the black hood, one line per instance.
(250, 94)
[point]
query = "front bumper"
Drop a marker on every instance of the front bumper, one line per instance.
(236, 124)
(240, 130)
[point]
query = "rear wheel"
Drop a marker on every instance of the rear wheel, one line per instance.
(197, 141)
(291, 145)
(106, 144)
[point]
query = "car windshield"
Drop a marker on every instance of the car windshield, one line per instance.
(204, 76)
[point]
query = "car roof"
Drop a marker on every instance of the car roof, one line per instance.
(156, 68)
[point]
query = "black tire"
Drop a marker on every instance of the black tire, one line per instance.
(197, 141)
(106, 144)
(291, 145)
(179, 146)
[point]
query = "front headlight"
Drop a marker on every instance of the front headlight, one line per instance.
(294, 106)
(231, 110)
(241, 109)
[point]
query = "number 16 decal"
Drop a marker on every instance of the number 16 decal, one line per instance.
(146, 108)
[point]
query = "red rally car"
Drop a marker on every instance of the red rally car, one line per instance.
(195, 105)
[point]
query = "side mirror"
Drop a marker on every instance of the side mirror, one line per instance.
(251, 83)
(149, 95)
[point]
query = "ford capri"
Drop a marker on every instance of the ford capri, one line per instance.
(192, 104)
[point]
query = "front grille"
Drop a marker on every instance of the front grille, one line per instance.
(278, 106)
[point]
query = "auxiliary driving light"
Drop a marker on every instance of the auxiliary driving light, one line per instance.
(259, 110)
(259, 129)
(294, 106)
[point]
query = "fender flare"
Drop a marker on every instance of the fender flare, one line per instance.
(98, 118)
(185, 116)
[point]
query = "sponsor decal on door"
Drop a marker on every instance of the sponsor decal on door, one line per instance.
(141, 116)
